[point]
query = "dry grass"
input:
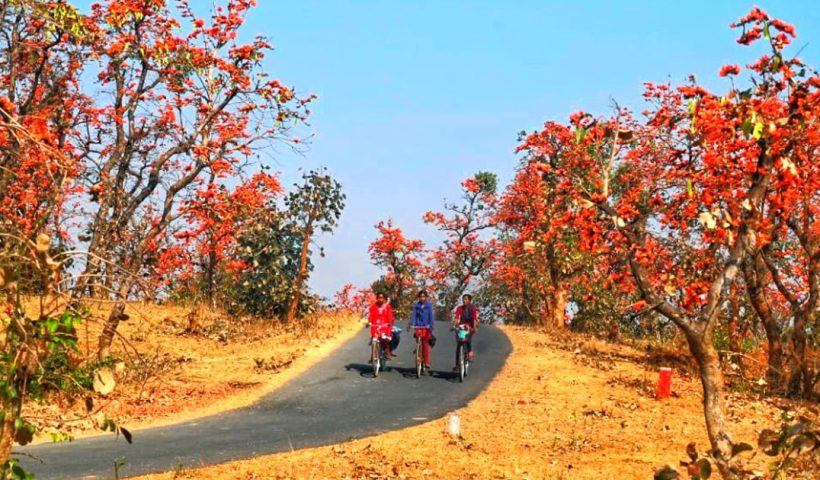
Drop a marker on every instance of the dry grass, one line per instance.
(172, 373)
(555, 412)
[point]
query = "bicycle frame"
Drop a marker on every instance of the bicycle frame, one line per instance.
(419, 357)
(377, 356)
(419, 350)
(463, 363)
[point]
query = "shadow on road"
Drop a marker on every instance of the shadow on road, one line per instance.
(366, 370)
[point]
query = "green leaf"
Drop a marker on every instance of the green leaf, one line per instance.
(775, 64)
(758, 130)
(580, 133)
(19, 473)
(704, 468)
(766, 32)
(51, 325)
(747, 126)
(690, 188)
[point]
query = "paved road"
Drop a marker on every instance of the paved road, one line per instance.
(335, 400)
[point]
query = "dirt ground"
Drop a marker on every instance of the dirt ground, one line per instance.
(574, 408)
(169, 372)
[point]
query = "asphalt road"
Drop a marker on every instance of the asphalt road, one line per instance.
(335, 400)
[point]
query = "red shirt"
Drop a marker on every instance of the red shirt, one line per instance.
(471, 323)
(381, 316)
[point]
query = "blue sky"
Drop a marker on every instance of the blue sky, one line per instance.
(415, 96)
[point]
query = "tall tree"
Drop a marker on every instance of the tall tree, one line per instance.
(677, 203)
(44, 52)
(467, 251)
(45, 47)
(353, 300)
(268, 254)
(217, 217)
(540, 254)
(315, 205)
(177, 106)
(402, 257)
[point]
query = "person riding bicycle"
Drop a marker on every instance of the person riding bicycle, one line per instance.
(422, 321)
(466, 315)
(381, 323)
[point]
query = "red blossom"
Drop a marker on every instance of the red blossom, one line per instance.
(729, 70)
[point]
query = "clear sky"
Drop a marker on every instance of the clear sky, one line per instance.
(417, 95)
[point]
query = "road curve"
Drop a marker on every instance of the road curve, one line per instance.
(335, 400)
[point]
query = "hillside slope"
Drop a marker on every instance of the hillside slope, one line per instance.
(570, 408)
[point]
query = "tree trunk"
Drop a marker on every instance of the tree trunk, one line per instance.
(700, 344)
(6, 433)
(454, 297)
(733, 327)
(116, 315)
(300, 277)
(801, 381)
(210, 274)
(100, 228)
(398, 302)
(559, 307)
(757, 297)
(774, 372)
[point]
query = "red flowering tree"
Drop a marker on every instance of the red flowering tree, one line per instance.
(353, 300)
(45, 48)
(182, 100)
(467, 252)
(677, 202)
(540, 255)
(401, 257)
(41, 105)
(216, 217)
(782, 270)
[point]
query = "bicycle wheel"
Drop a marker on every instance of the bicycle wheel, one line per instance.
(376, 355)
(419, 357)
(462, 368)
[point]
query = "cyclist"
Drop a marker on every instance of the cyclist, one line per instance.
(422, 320)
(467, 315)
(381, 323)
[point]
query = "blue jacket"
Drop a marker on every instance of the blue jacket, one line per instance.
(422, 315)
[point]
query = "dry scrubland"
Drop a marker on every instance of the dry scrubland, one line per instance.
(178, 363)
(568, 408)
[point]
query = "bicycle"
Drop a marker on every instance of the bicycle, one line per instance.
(463, 361)
(419, 357)
(419, 353)
(377, 357)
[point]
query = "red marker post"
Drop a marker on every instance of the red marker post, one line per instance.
(664, 389)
